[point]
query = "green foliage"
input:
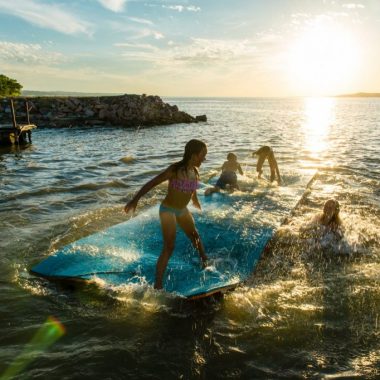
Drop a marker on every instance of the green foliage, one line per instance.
(9, 86)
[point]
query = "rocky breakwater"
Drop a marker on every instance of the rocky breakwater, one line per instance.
(123, 110)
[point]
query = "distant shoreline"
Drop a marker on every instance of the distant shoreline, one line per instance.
(32, 93)
(360, 95)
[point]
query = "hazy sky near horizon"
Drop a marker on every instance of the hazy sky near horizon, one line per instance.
(192, 47)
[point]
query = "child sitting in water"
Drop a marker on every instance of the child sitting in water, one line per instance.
(266, 152)
(328, 222)
(228, 176)
(330, 216)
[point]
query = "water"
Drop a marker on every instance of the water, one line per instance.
(311, 310)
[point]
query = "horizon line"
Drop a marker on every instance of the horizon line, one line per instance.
(95, 93)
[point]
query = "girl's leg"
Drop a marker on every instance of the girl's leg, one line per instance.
(168, 227)
(260, 163)
(274, 168)
(186, 222)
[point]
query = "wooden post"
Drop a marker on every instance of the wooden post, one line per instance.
(14, 122)
(27, 109)
(13, 114)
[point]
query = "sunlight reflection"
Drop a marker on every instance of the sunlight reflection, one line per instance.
(319, 116)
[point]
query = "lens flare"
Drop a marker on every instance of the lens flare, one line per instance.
(48, 333)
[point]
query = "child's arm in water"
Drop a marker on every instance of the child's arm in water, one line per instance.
(162, 177)
(195, 200)
(240, 170)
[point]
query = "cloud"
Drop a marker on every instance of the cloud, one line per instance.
(197, 52)
(133, 32)
(140, 20)
(203, 51)
(113, 5)
(44, 15)
(192, 8)
(353, 6)
(136, 46)
(145, 32)
(305, 19)
(29, 54)
(181, 8)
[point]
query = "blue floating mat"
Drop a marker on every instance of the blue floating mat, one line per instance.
(234, 228)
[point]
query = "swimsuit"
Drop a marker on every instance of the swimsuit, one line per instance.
(172, 210)
(226, 178)
(183, 184)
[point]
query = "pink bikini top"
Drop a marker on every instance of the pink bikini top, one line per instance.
(184, 185)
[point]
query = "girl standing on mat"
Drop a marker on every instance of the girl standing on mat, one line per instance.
(183, 177)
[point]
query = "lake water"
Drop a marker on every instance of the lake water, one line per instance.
(310, 310)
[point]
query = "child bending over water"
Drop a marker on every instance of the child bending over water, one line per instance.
(183, 177)
(228, 176)
(266, 152)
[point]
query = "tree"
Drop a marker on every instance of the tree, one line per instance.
(9, 86)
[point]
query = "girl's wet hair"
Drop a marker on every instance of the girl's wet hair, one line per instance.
(332, 203)
(231, 156)
(193, 146)
(335, 204)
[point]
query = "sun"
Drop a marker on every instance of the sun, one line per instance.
(323, 60)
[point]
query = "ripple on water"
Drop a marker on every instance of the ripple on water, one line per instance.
(303, 314)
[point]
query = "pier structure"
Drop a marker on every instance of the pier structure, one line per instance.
(14, 133)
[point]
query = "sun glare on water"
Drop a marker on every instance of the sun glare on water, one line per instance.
(319, 117)
(323, 60)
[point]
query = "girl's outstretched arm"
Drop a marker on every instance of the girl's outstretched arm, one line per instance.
(195, 200)
(162, 177)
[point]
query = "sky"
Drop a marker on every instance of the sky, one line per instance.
(241, 48)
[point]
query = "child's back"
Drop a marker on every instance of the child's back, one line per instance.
(230, 166)
(228, 176)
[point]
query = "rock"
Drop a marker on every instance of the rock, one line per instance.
(125, 110)
(89, 113)
(201, 118)
(102, 113)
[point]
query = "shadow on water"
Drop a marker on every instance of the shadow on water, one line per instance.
(348, 317)
(6, 152)
(15, 149)
(140, 333)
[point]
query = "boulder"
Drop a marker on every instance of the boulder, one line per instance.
(201, 118)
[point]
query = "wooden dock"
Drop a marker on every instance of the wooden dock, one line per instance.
(14, 133)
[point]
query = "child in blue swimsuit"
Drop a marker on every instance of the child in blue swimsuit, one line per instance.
(182, 177)
(228, 176)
